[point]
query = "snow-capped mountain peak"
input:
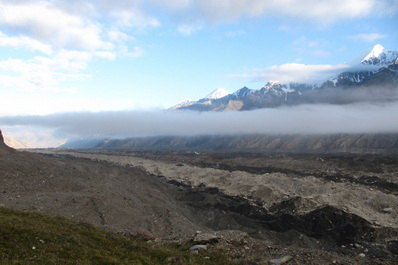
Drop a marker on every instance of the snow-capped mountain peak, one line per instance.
(218, 93)
(272, 83)
(243, 92)
(277, 88)
(376, 67)
(380, 56)
(371, 63)
(375, 52)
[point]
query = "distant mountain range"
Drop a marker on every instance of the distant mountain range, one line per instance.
(336, 143)
(373, 77)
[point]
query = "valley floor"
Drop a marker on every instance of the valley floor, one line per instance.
(319, 209)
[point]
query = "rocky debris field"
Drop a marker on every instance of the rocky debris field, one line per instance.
(342, 208)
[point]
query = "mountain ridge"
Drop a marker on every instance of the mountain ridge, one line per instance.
(380, 143)
(362, 74)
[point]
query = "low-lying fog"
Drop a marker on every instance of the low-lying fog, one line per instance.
(303, 119)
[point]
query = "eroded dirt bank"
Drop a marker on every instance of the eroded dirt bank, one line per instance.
(346, 204)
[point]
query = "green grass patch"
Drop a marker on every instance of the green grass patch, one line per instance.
(32, 238)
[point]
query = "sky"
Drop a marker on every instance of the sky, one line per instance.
(59, 56)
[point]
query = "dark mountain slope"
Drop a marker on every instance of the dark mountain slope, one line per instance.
(336, 143)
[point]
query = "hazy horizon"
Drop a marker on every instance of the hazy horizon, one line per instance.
(302, 119)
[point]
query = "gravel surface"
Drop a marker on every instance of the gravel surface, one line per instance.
(316, 210)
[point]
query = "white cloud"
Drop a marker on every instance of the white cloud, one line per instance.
(188, 29)
(174, 5)
(105, 55)
(134, 19)
(70, 60)
(296, 73)
(12, 81)
(118, 36)
(24, 42)
(367, 37)
(44, 72)
(136, 51)
(303, 73)
(304, 43)
(126, 13)
(69, 34)
(41, 21)
(323, 12)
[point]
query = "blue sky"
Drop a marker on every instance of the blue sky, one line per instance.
(61, 56)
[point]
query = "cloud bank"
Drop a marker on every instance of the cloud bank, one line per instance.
(304, 73)
(303, 119)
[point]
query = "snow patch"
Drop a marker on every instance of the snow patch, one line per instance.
(375, 52)
(380, 56)
(218, 93)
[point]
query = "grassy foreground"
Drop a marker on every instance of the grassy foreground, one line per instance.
(32, 238)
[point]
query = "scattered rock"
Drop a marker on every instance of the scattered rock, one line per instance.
(392, 246)
(139, 235)
(183, 241)
(362, 255)
(232, 236)
(387, 210)
(282, 260)
(199, 248)
(205, 238)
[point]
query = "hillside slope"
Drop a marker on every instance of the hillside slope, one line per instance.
(39, 239)
(336, 143)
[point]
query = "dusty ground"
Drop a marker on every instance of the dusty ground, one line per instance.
(325, 209)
